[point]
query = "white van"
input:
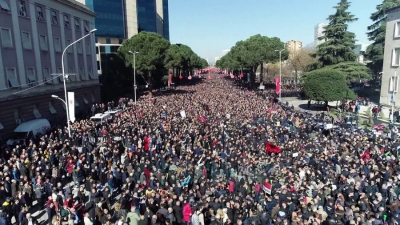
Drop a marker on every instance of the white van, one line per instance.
(100, 118)
(29, 129)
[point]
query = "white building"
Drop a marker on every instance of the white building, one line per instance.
(318, 32)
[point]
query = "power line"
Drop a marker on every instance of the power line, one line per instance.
(41, 83)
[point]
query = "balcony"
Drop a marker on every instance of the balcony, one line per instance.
(12, 93)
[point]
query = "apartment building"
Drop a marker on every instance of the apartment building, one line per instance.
(319, 32)
(33, 35)
(391, 60)
(293, 46)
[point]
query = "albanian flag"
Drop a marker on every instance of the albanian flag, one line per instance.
(270, 148)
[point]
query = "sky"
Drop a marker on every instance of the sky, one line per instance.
(211, 26)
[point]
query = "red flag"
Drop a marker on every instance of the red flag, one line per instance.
(241, 75)
(277, 85)
(270, 148)
(170, 78)
(267, 187)
(180, 77)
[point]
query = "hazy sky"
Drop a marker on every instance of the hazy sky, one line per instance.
(210, 26)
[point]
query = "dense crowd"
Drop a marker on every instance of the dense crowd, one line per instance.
(197, 155)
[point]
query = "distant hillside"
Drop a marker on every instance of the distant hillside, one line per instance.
(310, 46)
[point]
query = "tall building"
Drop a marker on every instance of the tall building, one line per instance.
(319, 32)
(33, 36)
(293, 46)
(117, 20)
(360, 50)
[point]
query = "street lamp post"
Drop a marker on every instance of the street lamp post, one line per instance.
(134, 72)
(280, 74)
(65, 77)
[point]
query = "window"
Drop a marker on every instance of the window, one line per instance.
(52, 109)
(76, 103)
(26, 40)
(71, 75)
(12, 78)
(393, 84)
(39, 13)
(397, 29)
(22, 8)
(77, 24)
(93, 99)
(17, 116)
(90, 73)
(66, 22)
(85, 99)
(43, 43)
(88, 52)
(79, 47)
(6, 38)
(82, 74)
(47, 76)
(396, 57)
(69, 50)
(30, 75)
(36, 112)
(54, 18)
(57, 44)
(120, 41)
(86, 26)
(4, 6)
(108, 41)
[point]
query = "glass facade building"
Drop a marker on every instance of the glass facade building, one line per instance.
(166, 19)
(110, 19)
(146, 15)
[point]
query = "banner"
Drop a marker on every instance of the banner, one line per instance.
(71, 106)
(267, 188)
(277, 85)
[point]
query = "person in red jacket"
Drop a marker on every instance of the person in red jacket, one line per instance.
(146, 143)
(187, 213)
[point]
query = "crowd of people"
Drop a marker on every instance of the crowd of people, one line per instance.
(197, 155)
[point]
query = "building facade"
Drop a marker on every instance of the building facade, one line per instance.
(117, 20)
(360, 49)
(319, 32)
(33, 35)
(391, 60)
(293, 46)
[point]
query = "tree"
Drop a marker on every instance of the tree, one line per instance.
(376, 33)
(299, 61)
(339, 44)
(251, 53)
(152, 49)
(326, 85)
(181, 57)
(354, 71)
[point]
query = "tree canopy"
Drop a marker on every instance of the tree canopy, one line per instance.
(326, 84)
(251, 53)
(376, 33)
(337, 50)
(156, 54)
